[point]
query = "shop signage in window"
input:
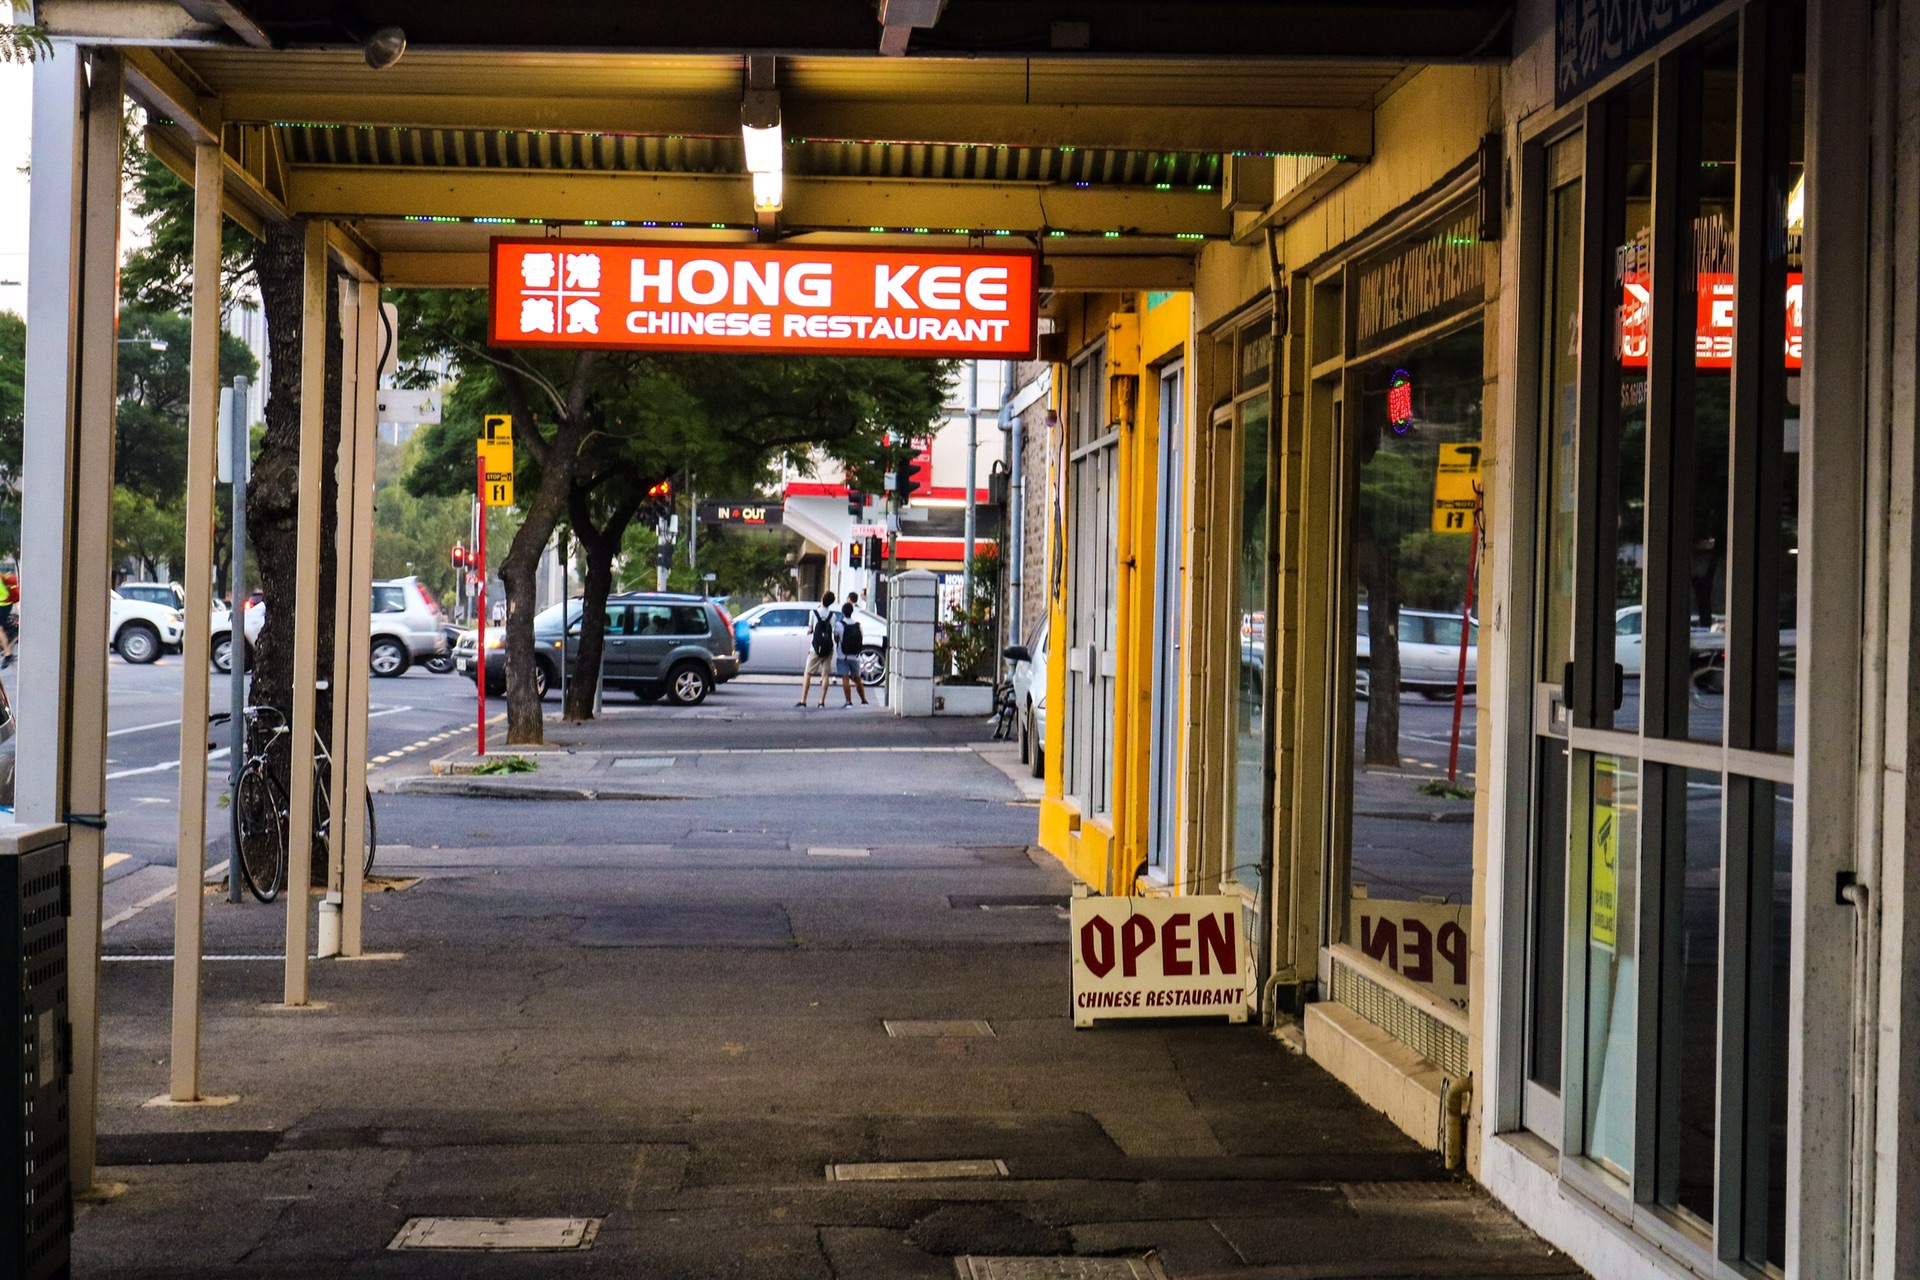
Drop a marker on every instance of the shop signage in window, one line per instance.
(1256, 356)
(1592, 39)
(1424, 942)
(1422, 280)
(1603, 899)
(758, 512)
(1160, 958)
(1713, 320)
(635, 295)
(1456, 488)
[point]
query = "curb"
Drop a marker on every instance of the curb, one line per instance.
(468, 787)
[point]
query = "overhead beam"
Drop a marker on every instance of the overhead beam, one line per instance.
(704, 199)
(168, 150)
(148, 23)
(1415, 30)
(1143, 126)
(164, 91)
(1070, 273)
(227, 14)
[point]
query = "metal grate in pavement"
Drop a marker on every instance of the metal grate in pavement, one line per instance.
(1357, 1192)
(642, 762)
(498, 1235)
(970, 1268)
(902, 1029)
(837, 851)
(916, 1170)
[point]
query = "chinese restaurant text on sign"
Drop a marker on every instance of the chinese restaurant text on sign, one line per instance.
(633, 295)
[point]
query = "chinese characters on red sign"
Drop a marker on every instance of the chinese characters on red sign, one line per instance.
(631, 295)
(1713, 324)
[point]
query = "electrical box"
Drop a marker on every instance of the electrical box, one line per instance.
(1248, 184)
(36, 1189)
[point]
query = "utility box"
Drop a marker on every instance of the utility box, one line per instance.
(36, 1190)
(912, 602)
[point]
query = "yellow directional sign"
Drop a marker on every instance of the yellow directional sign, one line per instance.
(496, 456)
(1455, 488)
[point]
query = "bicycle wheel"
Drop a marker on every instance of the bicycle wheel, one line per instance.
(371, 839)
(259, 833)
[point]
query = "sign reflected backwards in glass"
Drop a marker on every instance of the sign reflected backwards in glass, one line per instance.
(640, 296)
(1433, 275)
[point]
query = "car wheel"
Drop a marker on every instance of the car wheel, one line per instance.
(689, 684)
(1037, 765)
(542, 681)
(222, 652)
(388, 657)
(873, 665)
(1026, 736)
(138, 643)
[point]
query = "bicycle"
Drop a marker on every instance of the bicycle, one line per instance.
(259, 811)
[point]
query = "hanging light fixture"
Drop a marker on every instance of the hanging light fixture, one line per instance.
(760, 135)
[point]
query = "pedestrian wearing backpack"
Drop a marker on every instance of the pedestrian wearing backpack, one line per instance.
(847, 667)
(820, 639)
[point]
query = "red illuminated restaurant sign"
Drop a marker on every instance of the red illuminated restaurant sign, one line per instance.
(1713, 322)
(631, 295)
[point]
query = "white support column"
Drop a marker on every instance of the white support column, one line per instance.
(306, 603)
(346, 689)
(67, 518)
(351, 752)
(203, 405)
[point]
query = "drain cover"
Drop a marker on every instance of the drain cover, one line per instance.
(1058, 1269)
(901, 1030)
(497, 1234)
(916, 1170)
(643, 762)
(837, 851)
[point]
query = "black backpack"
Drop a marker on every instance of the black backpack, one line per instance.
(822, 635)
(850, 637)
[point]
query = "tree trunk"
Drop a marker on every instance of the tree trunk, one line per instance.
(600, 545)
(1381, 573)
(273, 493)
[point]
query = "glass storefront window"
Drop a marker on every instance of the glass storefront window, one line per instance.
(1630, 190)
(1250, 704)
(1692, 1026)
(1412, 837)
(1612, 995)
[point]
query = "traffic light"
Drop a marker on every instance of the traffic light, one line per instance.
(906, 479)
(856, 504)
(662, 492)
(856, 553)
(459, 556)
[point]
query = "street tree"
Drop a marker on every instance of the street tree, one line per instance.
(726, 424)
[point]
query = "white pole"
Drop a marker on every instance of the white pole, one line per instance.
(973, 454)
(350, 759)
(306, 606)
(203, 406)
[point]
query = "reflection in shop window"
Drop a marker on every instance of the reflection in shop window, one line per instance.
(1610, 912)
(1412, 833)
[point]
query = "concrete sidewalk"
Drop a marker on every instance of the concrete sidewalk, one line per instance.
(675, 1017)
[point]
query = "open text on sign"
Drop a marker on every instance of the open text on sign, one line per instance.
(632, 295)
(1159, 958)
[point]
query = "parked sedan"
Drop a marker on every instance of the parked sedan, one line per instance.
(782, 637)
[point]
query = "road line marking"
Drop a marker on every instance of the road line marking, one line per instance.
(142, 728)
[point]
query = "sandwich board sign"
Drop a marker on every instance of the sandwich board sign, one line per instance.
(1160, 958)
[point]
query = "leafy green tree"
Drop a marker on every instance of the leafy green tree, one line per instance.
(22, 42)
(13, 383)
(158, 275)
(413, 535)
(147, 532)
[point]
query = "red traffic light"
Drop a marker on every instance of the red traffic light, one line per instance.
(459, 555)
(662, 490)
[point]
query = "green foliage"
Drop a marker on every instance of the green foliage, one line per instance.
(159, 274)
(412, 534)
(148, 532)
(150, 454)
(13, 382)
(1433, 570)
(963, 648)
(507, 764)
(23, 42)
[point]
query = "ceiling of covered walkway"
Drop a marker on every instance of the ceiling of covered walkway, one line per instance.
(1096, 131)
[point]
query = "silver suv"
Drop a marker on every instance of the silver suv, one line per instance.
(657, 644)
(407, 626)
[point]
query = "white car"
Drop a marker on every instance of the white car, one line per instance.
(1030, 697)
(1429, 652)
(140, 631)
(407, 627)
(780, 638)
